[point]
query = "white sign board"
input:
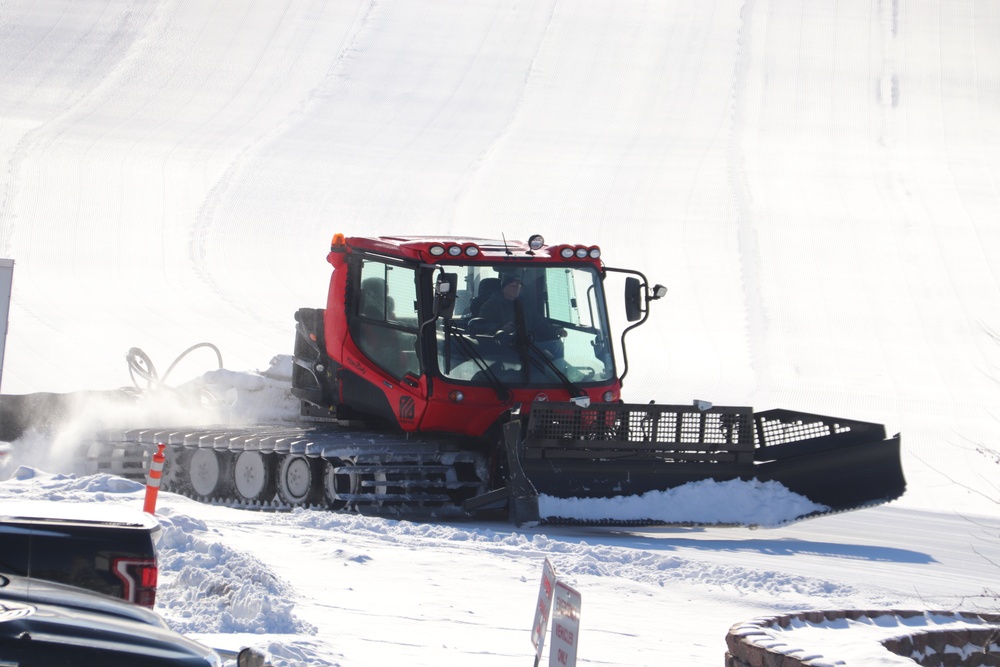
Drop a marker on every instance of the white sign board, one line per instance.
(565, 627)
(542, 609)
(6, 281)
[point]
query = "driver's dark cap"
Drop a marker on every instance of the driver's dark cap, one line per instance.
(507, 280)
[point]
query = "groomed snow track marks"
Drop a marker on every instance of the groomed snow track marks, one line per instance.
(751, 269)
(209, 225)
(102, 42)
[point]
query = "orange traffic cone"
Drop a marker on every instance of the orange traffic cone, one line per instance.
(153, 480)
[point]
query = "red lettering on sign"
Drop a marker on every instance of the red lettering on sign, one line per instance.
(564, 608)
(564, 633)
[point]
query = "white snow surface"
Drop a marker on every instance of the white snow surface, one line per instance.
(318, 588)
(816, 183)
(749, 503)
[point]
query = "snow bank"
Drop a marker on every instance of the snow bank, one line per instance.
(208, 587)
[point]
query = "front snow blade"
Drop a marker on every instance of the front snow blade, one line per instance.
(840, 463)
(670, 464)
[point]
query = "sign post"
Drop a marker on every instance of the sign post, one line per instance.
(565, 620)
(542, 609)
(565, 627)
(6, 281)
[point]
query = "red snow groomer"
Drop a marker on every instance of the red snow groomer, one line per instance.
(448, 376)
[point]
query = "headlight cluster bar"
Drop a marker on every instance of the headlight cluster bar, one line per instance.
(459, 249)
(580, 252)
(454, 250)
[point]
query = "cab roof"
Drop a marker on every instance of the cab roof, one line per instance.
(434, 249)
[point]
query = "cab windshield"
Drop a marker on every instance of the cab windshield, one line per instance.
(526, 325)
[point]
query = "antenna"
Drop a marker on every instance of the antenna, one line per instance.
(505, 248)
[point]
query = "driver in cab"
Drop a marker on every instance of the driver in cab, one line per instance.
(501, 310)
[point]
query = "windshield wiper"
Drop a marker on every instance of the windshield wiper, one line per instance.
(468, 349)
(525, 344)
(573, 389)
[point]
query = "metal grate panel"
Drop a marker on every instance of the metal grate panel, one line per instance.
(661, 427)
(778, 427)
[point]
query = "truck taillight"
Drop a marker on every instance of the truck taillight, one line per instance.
(138, 577)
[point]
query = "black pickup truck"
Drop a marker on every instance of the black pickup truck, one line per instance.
(102, 547)
(91, 551)
(43, 624)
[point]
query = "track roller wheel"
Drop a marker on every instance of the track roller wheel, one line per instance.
(253, 477)
(211, 473)
(337, 482)
(175, 466)
(299, 481)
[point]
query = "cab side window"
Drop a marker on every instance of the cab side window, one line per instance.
(387, 317)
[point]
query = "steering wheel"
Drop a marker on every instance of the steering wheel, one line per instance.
(504, 338)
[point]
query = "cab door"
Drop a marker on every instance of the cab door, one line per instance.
(385, 328)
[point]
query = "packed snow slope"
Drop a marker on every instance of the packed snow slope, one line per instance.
(816, 182)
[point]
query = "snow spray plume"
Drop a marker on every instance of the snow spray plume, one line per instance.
(54, 431)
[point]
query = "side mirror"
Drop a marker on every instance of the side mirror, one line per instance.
(249, 657)
(444, 294)
(633, 299)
